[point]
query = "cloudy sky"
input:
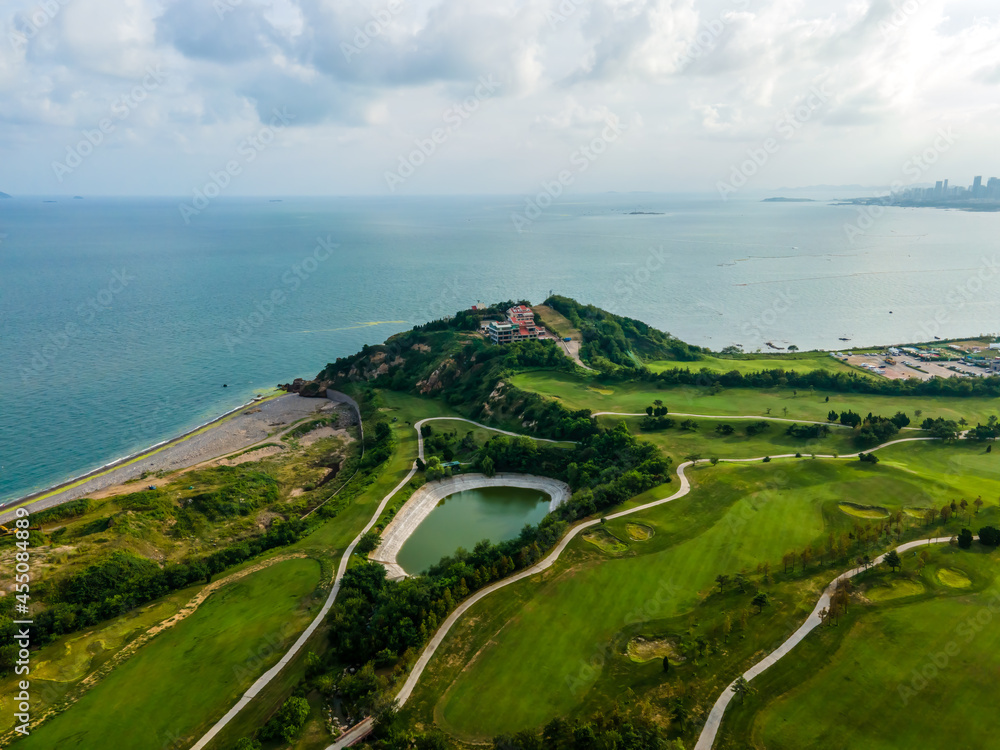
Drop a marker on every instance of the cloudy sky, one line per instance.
(319, 97)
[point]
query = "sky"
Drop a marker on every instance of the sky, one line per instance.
(414, 97)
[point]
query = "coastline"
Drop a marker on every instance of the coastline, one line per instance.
(214, 443)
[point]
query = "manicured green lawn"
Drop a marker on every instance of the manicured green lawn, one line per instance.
(580, 392)
(805, 362)
(187, 677)
(905, 672)
(544, 632)
(554, 645)
(706, 442)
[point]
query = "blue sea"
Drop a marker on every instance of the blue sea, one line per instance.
(120, 323)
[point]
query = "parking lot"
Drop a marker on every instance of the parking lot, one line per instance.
(902, 370)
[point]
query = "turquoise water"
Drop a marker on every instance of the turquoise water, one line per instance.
(466, 518)
(119, 323)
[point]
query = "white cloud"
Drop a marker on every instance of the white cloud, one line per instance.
(699, 80)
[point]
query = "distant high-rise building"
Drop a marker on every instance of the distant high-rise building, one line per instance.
(977, 187)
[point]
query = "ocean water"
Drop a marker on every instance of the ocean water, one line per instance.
(120, 323)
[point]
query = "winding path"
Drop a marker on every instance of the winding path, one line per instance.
(361, 730)
(684, 489)
(714, 721)
(355, 733)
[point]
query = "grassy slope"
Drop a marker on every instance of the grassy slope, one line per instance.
(179, 683)
(331, 539)
(556, 322)
(524, 652)
(841, 689)
(334, 536)
(578, 392)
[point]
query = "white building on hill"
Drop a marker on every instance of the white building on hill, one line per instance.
(519, 326)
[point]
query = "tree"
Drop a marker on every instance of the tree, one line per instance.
(892, 560)
(965, 539)
(788, 560)
(742, 688)
(793, 348)
(288, 721)
(946, 512)
(832, 416)
(978, 502)
(743, 582)
(368, 542)
(900, 420)
(850, 418)
(760, 601)
(722, 579)
(557, 733)
(666, 664)
(246, 743)
(701, 643)
(489, 469)
(649, 410)
(434, 469)
(990, 536)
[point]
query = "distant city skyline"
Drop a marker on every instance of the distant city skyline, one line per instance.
(942, 191)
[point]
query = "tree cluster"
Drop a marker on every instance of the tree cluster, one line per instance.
(613, 730)
(990, 536)
(610, 341)
(123, 580)
(827, 380)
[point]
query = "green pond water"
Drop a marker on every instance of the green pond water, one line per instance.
(465, 518)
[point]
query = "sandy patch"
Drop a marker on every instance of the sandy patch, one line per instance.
(605, 541)
(257, 454)
(953, 578)
(323, 432)
(642, 648)
(863, 511)
(639, 532)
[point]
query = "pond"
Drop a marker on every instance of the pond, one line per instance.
(467, 517)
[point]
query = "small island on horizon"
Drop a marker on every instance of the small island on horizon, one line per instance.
(788, 200)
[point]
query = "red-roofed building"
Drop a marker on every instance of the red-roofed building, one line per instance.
(519, 326)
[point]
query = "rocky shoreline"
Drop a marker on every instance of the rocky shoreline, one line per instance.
(250, 425)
